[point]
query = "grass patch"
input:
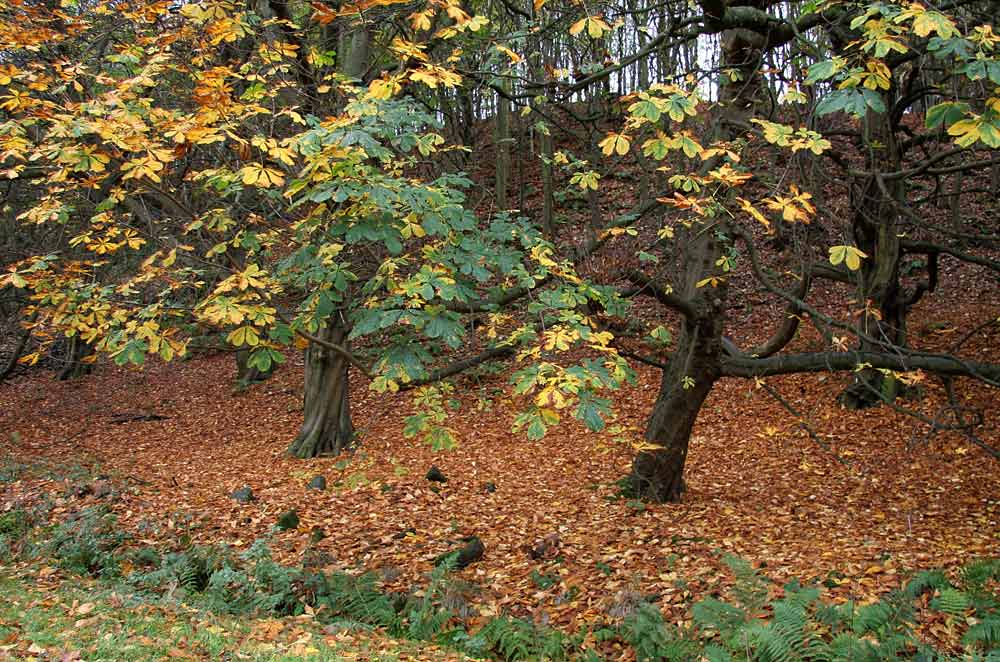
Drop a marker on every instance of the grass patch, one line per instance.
(53, 618)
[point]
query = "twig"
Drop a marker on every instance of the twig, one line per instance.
(804, 424)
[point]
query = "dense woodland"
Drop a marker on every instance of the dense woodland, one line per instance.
(553, 247)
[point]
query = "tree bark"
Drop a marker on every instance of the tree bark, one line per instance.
(327, 428)
(876, 232)
(75, 367)
(658, 473)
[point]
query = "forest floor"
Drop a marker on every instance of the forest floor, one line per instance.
(878, 499)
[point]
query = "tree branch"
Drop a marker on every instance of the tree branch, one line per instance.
(941, 364)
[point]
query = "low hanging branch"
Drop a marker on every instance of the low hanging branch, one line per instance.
(941, 364)
(340, 349)
(644, 285)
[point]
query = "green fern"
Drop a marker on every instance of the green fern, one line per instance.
(984, 634)
(515, 639)
(425, 618)
(653, 639)
(951, 601)
(928, 580)
(358, 598)
(976, 576)
(751, 587)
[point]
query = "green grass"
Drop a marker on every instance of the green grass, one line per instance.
(62, 618)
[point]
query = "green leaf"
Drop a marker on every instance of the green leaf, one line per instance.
(661, 335)
(592, 410)
(414, 425)
(134, 352)
(945, 114)
(824, 70)
(646, 109)
(440, 438)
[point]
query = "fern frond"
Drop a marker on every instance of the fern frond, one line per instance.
(928, 580)
(985, 633)
(951, 601)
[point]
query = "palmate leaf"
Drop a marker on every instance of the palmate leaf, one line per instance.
(647, 109)
(853, 101)
(133, 351)
(969, 131)
(615, 143)
(592, 410)
(244, 335)
(824, 70)
(945, 114)
(849, 255)
(264, 358)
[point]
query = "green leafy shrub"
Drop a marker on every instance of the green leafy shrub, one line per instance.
(190, 569)
(14, 526)
(801, 625)
(87, 542)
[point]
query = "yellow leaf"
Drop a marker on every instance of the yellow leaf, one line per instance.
(259, 175)
(849, 255)
(596, 27)
(511, 55)
(245, 335)
(615, 143)
(421, 20)
(16, 280)
(384, 89)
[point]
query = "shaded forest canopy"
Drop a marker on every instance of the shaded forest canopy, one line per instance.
(293, 176)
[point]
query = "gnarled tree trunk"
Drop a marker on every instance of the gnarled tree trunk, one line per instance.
(694, 367)
(658, 474)
(326, 428)
(876, 232)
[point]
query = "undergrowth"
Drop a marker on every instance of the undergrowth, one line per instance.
(748, 623)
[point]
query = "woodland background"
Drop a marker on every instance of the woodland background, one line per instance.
(507, 328)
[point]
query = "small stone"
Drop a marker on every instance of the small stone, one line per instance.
(243, 495)
(317, 483)
(435, 476)
(490, 487)
(288, 520)
(469, 553)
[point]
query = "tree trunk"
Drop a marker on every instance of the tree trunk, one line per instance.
(15, 356)
(694, 367)
(503, 141)
(658, 474)
(876, 232)
(75, 367)
(326, 428)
